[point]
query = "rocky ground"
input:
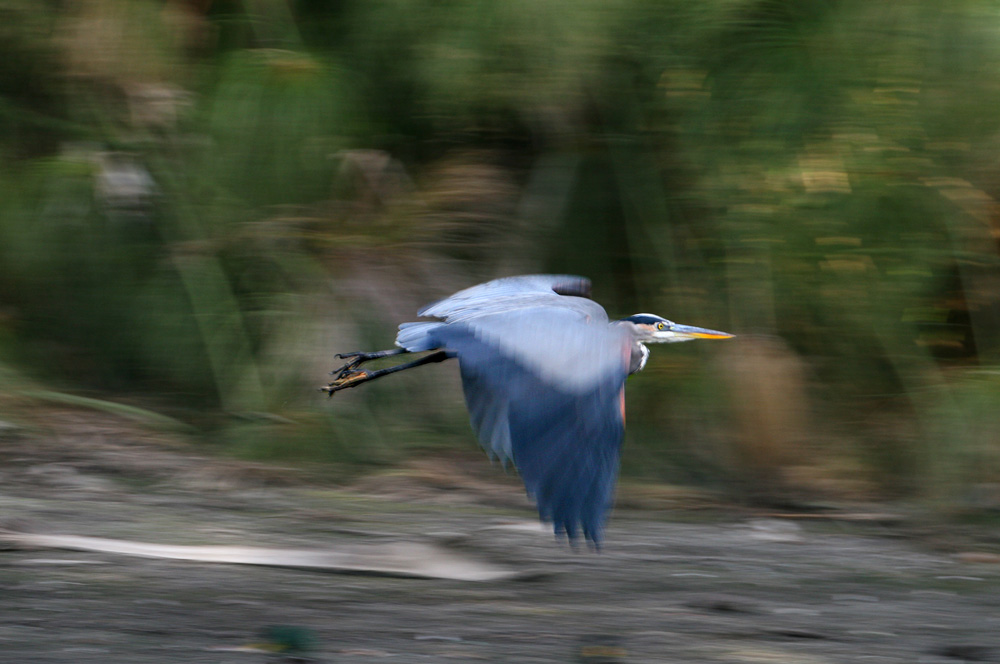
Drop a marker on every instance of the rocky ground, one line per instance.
(670, 586)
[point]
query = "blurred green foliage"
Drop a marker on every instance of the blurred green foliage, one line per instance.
(203, 201)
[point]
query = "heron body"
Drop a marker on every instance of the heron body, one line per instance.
(543, 370)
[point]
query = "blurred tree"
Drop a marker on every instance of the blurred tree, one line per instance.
(204, 198)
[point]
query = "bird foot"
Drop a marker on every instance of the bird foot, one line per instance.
(350, 375)
(356, 360)
(346, 377)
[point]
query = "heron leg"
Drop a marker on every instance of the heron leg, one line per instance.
(360, 357)
(351, 376)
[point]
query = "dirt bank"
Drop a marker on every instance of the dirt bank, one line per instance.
(738, 588)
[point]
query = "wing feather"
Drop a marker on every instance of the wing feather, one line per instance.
(564, 439)
(564, 348)
(511, 293)
(567, 449)
(502, 296)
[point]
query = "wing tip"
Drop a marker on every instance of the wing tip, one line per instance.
(571, 529)
(561, 284)
(574, 286)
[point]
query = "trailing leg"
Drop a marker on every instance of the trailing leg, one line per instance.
(360, 357)
(350, 376)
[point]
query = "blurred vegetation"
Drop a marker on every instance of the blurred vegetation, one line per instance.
(201, 201)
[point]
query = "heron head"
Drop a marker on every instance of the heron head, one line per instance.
(651, 329)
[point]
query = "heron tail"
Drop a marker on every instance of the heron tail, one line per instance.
(418, 337)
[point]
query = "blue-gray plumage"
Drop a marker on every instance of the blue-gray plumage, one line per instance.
(543, 371)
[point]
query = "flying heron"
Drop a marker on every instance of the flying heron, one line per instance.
(544, 372)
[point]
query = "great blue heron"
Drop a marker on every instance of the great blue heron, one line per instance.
(544, 372)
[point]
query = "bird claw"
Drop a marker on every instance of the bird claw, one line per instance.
(345, 378)
(348, 375)
(350, 367)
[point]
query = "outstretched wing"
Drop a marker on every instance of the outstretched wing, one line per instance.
(544, 388)
(511, 293)
(507, 296)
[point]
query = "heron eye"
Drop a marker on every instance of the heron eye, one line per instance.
(661, 326)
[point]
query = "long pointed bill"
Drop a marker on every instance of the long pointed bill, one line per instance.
(686, 332)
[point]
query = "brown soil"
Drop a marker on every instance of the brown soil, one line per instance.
(722, 586)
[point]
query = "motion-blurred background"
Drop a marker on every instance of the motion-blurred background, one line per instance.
(202, 201)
